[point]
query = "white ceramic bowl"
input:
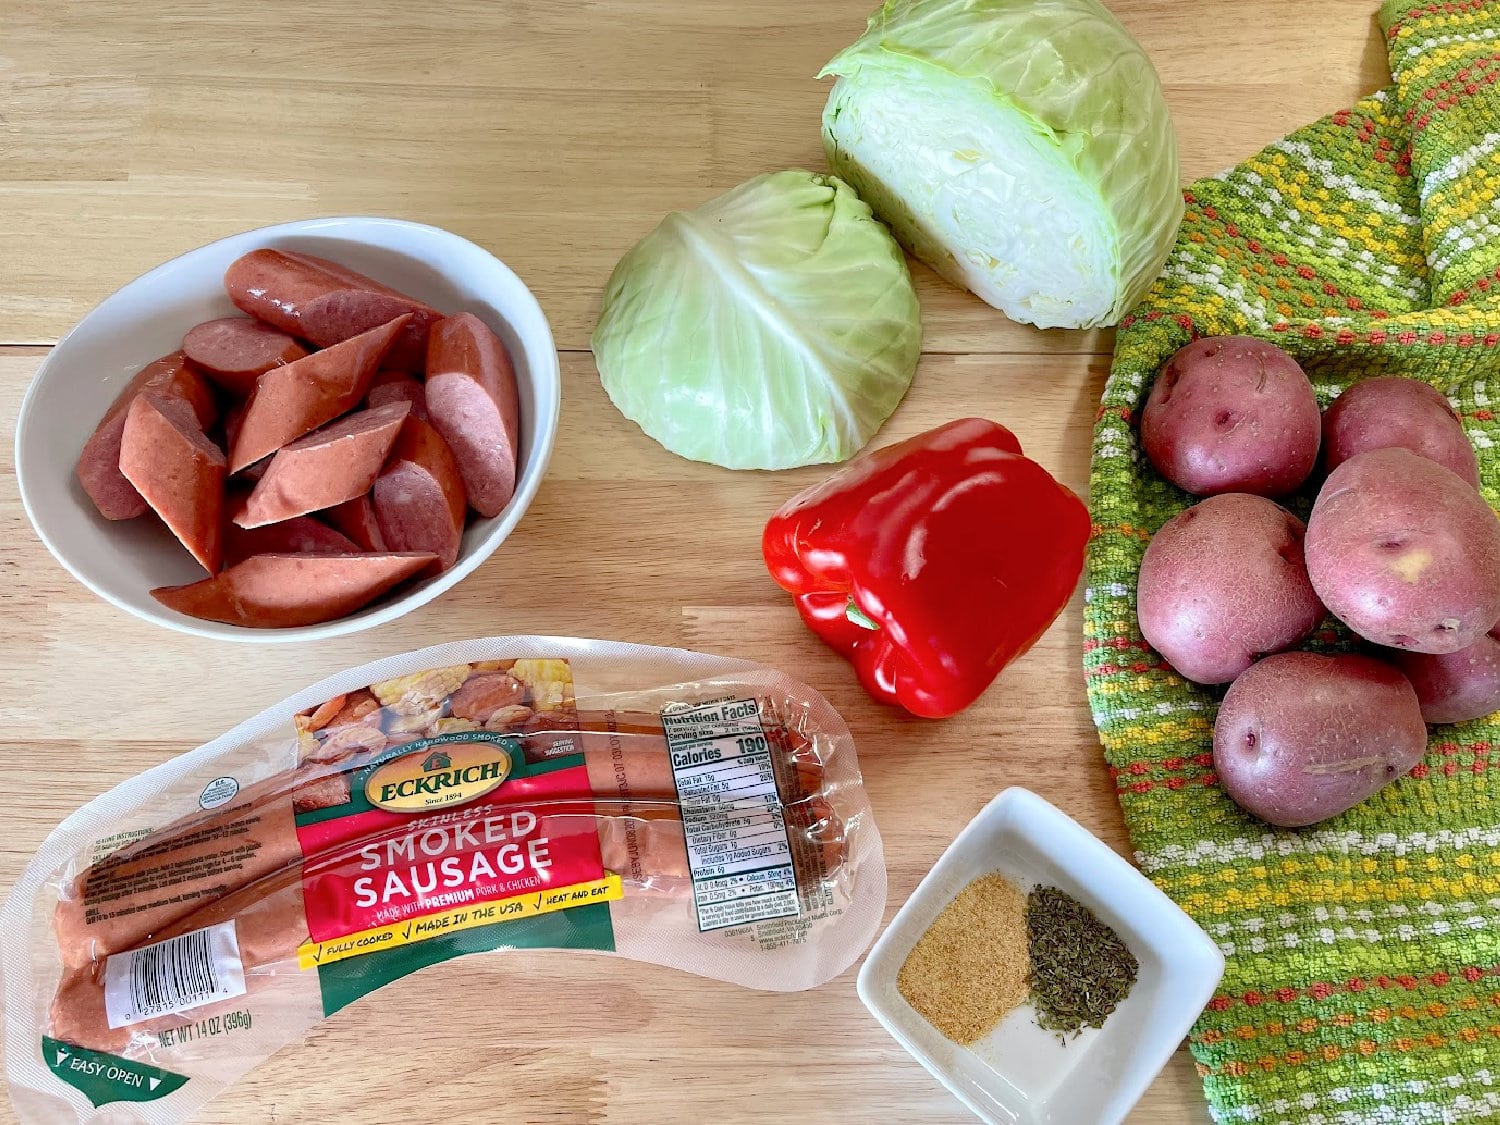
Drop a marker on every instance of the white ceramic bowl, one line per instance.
(123, 561)
(1020, 1073)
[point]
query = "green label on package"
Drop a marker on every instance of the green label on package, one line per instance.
(106, 1078)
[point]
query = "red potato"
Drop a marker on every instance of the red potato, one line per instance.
(398, 386)
(1405, 553)
(1302, 737)
(1223, 583)
(1232, 414)
(327, 467)
(356, 519)
(235, 351)
(180, 473)
(472, 397)
(98, 468)
(1454, 687)
(283, 591)
(419, 495)
(1395, 412)
(296, 399)
(327, 303)
(300, 535)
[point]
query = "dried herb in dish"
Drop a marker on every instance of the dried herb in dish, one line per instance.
(1080, 969)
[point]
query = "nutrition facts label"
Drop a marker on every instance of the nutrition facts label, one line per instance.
(736, 837)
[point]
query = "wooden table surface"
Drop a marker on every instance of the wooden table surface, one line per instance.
(555, 133)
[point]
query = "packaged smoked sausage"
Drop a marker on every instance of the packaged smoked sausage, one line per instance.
(660, 805)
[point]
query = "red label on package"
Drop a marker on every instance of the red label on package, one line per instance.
(521, 835)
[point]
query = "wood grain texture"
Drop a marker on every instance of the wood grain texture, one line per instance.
(555, 133)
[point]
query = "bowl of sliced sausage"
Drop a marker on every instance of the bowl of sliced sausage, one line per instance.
(296, 432)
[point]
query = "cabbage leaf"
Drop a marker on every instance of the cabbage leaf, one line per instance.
(774, 326)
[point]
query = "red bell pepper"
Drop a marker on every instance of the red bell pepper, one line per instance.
(933, 563)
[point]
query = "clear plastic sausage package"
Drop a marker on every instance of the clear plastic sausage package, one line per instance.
(522, 792)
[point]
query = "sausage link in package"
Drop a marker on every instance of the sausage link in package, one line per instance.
(521, 792)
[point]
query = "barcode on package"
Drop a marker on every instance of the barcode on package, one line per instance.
(731, 813)
(175, 975)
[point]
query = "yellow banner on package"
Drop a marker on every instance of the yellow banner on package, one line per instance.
(311, 954)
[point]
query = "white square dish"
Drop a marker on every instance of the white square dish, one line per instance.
(1020, 1074)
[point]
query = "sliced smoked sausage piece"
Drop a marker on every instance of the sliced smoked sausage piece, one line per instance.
(282, 591)
(234, 351)
(327, 467)
(398, 386)
(299, 397)
(234, 418)
(472, 399)
(300, 535)
(419, 495)
(356, 519)
(165, 454)
(98, 467)
(321, 301)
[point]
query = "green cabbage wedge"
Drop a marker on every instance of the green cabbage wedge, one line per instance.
(773, 326)
(1022, 148)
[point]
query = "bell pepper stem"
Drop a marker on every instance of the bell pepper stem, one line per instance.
(859, 617)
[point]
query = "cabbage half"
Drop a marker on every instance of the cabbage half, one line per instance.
(1022, 148)
(774, 326)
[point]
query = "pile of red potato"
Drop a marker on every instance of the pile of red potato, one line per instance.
(1400, 547)
(316, 453)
